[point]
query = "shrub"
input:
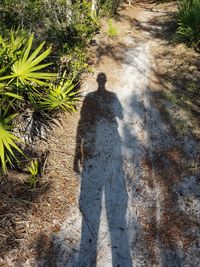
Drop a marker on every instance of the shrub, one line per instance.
(24, 67)
(109, 7)
(56, 21)
(20, 13)
(75, 61)
(189, 21)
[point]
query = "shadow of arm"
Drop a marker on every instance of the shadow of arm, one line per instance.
(78, 152)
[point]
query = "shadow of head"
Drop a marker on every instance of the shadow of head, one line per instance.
(101, 80)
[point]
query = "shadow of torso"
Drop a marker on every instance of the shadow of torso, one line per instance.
(99, 127)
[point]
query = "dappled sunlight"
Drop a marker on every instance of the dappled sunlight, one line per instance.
(131, 164)
(138, 201)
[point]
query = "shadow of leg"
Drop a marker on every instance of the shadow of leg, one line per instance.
(116, 207)
(90, 206)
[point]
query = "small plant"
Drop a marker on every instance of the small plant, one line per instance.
(195, 164)
(34, 172)
(61, 96)
(112, 30)
(7, 139)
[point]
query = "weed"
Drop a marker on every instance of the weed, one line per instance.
(112, 30)
(34, 172)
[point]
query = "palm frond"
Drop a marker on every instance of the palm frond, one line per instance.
(62, 96)
(7, 139)
(26, 66)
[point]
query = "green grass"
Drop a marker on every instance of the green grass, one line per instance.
(189, 21)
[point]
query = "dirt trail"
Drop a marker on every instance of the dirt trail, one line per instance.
(137, 204)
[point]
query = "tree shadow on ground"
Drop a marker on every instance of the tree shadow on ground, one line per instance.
(161, 187)
(111, 50)
(177, 68)
(177, 76)
(162, 25)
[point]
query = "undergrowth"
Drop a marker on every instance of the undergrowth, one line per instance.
(189, 22)
(42, 56)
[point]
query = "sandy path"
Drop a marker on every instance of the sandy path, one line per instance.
(132, 208)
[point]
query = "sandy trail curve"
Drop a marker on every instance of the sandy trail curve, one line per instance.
(133, 187)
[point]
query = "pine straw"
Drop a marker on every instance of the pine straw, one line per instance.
(29, 216)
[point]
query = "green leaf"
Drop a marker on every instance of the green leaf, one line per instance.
(60, 96)
(7, 139)
(26, 66)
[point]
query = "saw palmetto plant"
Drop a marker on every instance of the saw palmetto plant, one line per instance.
(8, 140)
(60, 96)
(34, 172)
(25, 68)
(20, 67)
(10, 48)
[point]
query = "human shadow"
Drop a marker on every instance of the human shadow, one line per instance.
(98, 153)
